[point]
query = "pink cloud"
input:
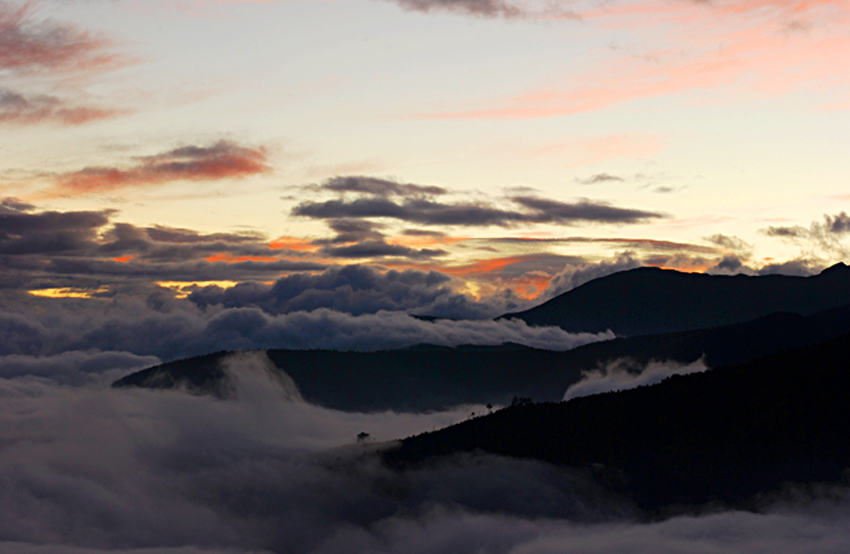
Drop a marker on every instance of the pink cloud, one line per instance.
(220, 161)
(761, 48)
(18, 109)
(29, 46)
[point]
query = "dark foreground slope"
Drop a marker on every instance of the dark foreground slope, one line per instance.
(650, 300)
(430, 378)
(725, 435)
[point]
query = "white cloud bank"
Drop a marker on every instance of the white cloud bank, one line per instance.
(95, 470)
(623, 374)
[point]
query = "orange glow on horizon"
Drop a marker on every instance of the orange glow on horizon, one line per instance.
(700, 268)
(68, 292)
(180, 286)
(483, 266)
(293, 243)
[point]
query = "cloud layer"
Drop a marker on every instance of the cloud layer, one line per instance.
(424, 211)
(44, 249)
(87, 471)
(221, 160)
(624, 374)
(20, 109)
(50, 51)
(179, 331)
(29, 46)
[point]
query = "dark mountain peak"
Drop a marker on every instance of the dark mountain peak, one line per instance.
(650, 300)
(838, 269)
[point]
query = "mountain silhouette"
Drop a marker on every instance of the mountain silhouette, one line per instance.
(649, 300)
(427, 377)
(728, 435)
(420, 378)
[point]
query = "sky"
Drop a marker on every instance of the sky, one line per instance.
(179, 177)
(512, 149)
(188, 176)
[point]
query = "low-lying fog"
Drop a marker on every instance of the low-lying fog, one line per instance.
(91, 469)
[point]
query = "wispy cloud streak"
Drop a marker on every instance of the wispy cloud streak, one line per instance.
(221, 160)
(29, 46)
(764, 48)
(426, 211)
(19, 109)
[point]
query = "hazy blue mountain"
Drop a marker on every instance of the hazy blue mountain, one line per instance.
(725, 435)
(650, 300)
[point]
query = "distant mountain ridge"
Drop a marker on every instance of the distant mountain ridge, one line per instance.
(428, 377)
(772, 410)
(648, 300)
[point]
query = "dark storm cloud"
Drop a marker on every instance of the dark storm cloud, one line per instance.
(430, 212)
(360, 239)
(85, 253)
(352, 230)
(552, 211)
(421, 211)
(24, 232)
(378, 187)
(360, 289)
(178, 245)
(19, 109)
(354, 289)
(37, 248)
(160, 233)
(379, 249)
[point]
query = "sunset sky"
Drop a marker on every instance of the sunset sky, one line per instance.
(187, 177)
(515, 149)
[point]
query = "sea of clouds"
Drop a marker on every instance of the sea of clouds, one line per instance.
(90, 469)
